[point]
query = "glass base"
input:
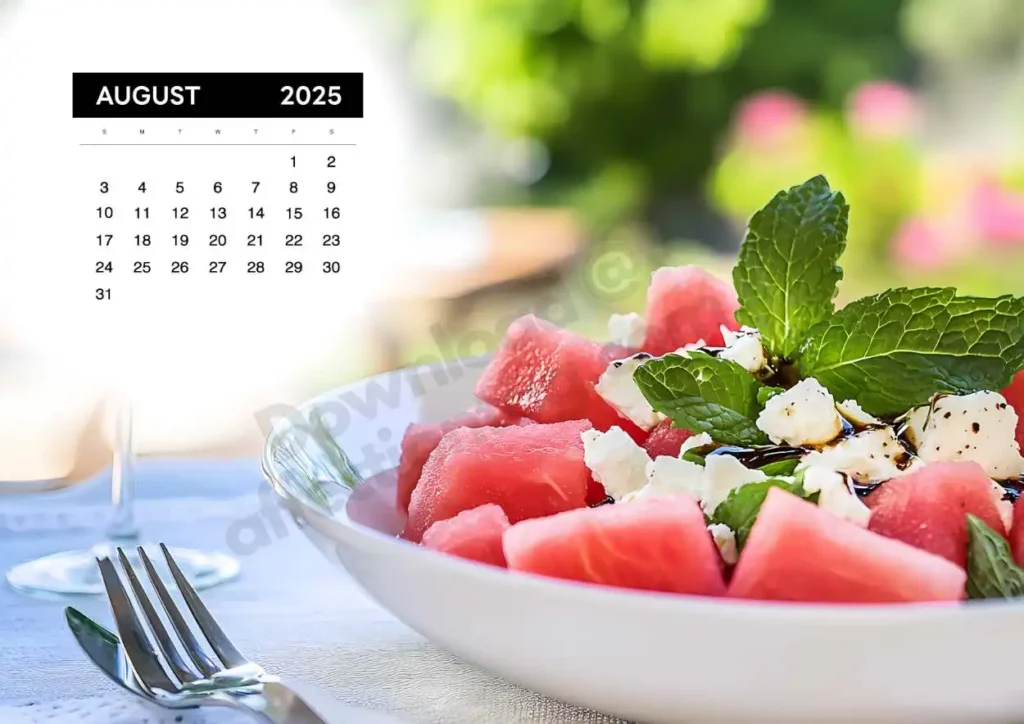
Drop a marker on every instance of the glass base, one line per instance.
(75, 572)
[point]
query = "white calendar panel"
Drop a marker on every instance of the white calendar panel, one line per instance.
(194, 102)
(211, 211)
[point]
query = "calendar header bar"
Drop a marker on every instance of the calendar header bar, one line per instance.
(218, 95)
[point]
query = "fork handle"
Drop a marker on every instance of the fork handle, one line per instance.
(285, 706)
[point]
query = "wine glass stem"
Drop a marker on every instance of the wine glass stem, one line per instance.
(122, 526)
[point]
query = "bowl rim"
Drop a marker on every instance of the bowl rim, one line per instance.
(773, 611)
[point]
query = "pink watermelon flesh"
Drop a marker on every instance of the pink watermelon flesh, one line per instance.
(1014, 394)
(530, 471)
(420, 439)
(659, 544)
(474, 534)
(684, 305)
(595, 492)
(1017, 533)
(666, 440)
(798, 552)
(548, 374)
(927, 508)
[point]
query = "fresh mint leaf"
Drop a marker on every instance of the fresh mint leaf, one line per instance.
(991, 572)
(786, 276)
(692, 456)
(766, 393)
(780, 468)
(740, 509)
(704, 394)
(798, 478)
(897, 349)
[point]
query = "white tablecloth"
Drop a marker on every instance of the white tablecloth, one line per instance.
(289, 610)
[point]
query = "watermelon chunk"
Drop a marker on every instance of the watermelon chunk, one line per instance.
(658, 544)
(548, 374)
(927, 508)
(684, 305)
(420, 439)
(474, 534)
(530, 471)
(666, 440)
(1014, 394)
(595, 492)
(798, 552)
(1017, 533)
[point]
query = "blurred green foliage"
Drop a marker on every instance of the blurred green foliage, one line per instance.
(952, 31)
(632, 97)
(879, 175)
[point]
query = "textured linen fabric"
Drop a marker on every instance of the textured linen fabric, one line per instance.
(290, 610)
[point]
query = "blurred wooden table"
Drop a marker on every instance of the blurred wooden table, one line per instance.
(497, 251)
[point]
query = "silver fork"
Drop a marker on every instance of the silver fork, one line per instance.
(160, 667)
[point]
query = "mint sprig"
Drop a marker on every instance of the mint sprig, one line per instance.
(897, 349)
(780, 467)
(692, 456)
(766, 393)
(890, 352)
(739, 511)
(991, 571)
(787, 275)
(704, 394)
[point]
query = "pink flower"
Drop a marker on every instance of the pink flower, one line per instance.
(768, 118)
(882, 109)
(919, 244)
(997, 214)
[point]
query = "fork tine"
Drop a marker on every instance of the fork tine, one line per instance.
(195, 651)
(219, 641)
(163, 640)
(144, 659)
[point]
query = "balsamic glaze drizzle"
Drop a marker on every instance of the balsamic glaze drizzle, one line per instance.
(1012, 489)
(862, 489)
(758, 457)
(609, 500)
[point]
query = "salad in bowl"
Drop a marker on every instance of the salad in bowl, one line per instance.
(744, 504)
(755, 443)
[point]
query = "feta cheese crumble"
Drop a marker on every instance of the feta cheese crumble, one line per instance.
(627, 330)
(615, 461)
(617, 387)
(834, 495)
(744, 348)
(979, 427)
(722, 475)
(667, 475)
(805, 414)
(852, 411)
(691, 347)
(1005, 507)
(695, 441)
(725, 541)
(915, 421)
(869, 456)
(710, 484)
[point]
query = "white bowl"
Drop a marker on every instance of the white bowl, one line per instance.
(641, 656)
